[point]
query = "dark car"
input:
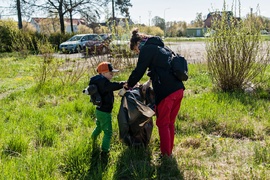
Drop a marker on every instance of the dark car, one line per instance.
(106, 36)
(97, 46)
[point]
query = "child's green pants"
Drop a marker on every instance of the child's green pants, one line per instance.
(103, 123)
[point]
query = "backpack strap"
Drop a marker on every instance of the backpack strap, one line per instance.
(169, 49)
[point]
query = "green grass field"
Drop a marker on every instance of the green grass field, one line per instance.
(45, 128)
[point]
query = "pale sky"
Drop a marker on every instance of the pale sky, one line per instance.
(186, 10)
(179, 10)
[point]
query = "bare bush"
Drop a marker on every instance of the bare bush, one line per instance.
(236, 53)
(47, 64)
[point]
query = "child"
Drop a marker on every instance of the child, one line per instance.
(103, 112)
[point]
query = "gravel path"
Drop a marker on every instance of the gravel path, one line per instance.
(194, 52)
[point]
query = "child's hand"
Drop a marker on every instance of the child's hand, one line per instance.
(122, 92)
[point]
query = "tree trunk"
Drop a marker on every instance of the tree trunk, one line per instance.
(71, 21)
(61, 17)
(19, 14)
(113, 15)
(70, 17)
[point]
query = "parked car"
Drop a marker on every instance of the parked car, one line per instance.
(98, 45)
(77, 42)
(106, 36)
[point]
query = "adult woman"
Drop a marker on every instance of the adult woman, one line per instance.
(153, 55)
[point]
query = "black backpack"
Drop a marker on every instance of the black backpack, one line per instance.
(175, 63)
(179, 66)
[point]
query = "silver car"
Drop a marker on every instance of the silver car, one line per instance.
(76, 43)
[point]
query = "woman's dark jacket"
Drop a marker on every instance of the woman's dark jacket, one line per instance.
(154, 56)
(105, 89)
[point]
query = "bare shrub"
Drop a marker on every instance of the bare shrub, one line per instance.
(119, 62)
(71, 71)
(236, 53)
(68, 71)
(47, 65)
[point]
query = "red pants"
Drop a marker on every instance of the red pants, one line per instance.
(166, 112)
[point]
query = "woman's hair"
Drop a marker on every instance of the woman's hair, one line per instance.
(135, 38)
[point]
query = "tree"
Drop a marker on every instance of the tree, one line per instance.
(177, 29)
(87, 8)
(19, 13)
(23, 9)
(122, 5)
(198, 22)
(262, 22)
(62, 7)
(159, 22)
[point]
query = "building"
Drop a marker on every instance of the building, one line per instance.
(195, 32)
(217, 16)
(52, 25)
(208, 24)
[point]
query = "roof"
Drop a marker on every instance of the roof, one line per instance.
(67, 21)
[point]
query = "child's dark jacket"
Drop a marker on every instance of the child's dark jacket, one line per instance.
(105, 89)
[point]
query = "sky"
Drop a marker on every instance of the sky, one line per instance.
(186, 10)
(143, 11)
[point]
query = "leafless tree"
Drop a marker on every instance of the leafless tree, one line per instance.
(19, 13)
(61, 8)
(22, 8)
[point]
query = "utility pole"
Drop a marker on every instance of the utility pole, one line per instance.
(113, 9)
(165, 22)
(149, 13)
(113, 16)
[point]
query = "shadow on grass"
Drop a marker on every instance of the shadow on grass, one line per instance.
(134, 163)
(98, 164)
(168, 169)
(137, 163)
(245, 98)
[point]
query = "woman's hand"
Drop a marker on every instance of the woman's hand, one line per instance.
(146, 85)
(125, 86)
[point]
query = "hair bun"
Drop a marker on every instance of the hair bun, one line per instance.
(135, 32)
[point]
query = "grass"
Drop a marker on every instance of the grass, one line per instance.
(45, 131)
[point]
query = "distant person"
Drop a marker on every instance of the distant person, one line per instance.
(103, 112)
(153, 55)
